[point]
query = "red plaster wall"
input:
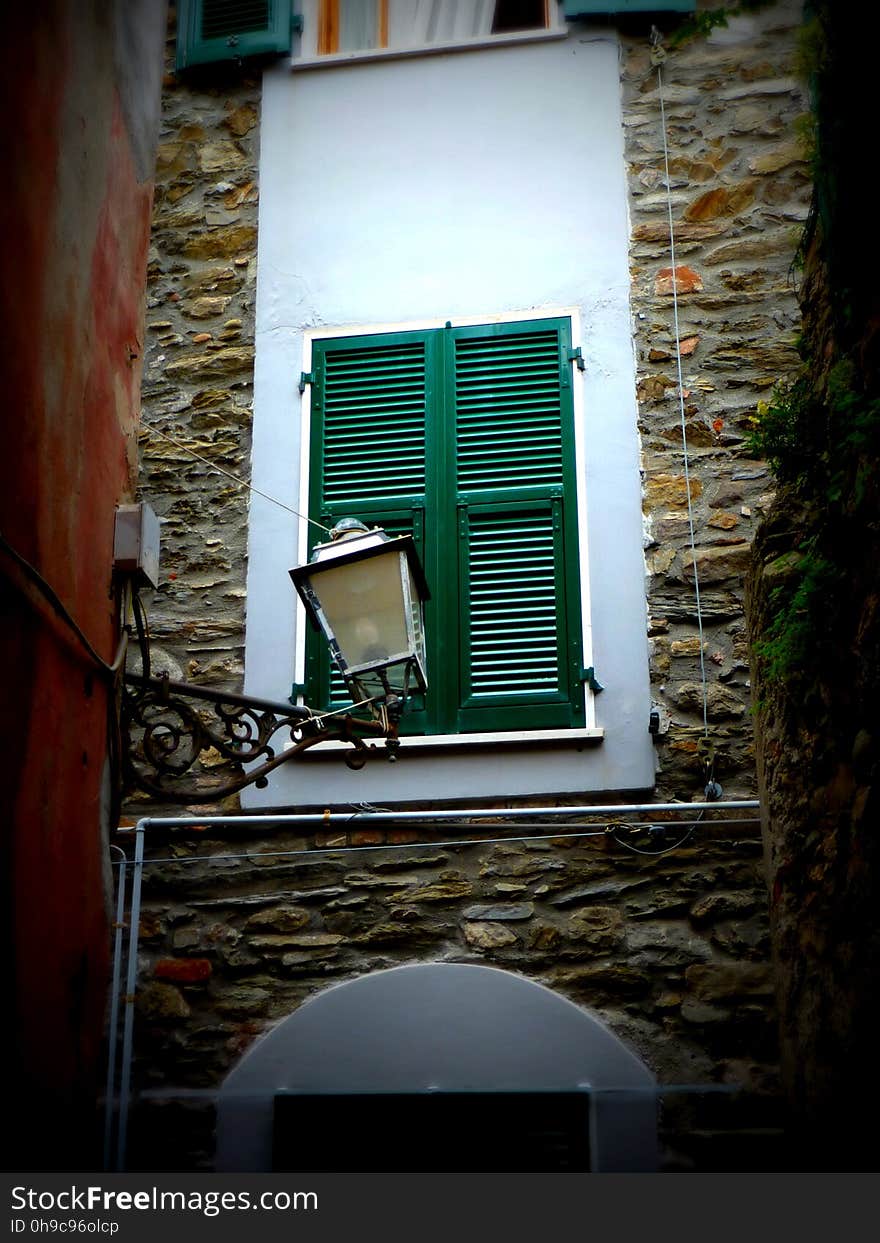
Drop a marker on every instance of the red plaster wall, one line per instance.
(76, 212)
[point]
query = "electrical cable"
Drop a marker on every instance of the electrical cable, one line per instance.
(653, 854)
(607, 831)
(143, 632)
(242, 483)
(51, 596)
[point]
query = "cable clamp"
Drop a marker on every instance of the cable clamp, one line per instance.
(658, 52)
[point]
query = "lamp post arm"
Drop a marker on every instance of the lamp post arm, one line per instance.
(167, 726)
(193, 691)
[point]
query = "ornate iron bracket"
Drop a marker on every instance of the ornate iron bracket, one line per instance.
(164, 736)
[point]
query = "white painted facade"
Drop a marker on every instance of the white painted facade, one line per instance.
(464, 186)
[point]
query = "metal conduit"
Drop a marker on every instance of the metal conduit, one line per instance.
(320, 819)
(113, 1037)
(611, 811)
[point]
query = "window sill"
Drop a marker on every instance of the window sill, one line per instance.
(466, 742)
(334, 59)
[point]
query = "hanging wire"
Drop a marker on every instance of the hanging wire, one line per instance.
(51, 596)
(664, 850)
(153, 430)
(657, 57)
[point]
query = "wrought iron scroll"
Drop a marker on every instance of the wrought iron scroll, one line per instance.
(174, 729)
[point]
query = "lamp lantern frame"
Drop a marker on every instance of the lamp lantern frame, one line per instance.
(168, 725)
(365, 591)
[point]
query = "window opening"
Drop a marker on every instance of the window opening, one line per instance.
(463, 437)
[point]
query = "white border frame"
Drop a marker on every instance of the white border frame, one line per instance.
(572, 313)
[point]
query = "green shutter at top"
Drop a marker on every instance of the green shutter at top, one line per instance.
(229, 30)
(590, 8)
(465, 437)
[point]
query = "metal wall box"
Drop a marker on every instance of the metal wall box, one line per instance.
(136, 543)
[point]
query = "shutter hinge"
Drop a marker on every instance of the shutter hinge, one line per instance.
(305, 377)
(296, 23)
(575, 356)
(298, 688)
(589, 676)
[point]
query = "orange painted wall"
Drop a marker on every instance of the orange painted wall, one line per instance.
(80, 111)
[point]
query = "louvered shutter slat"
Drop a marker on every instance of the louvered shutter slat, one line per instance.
(513, 454)
(512, 603)
(373, 423)
(508, 411)
(368, 458)
(225, 17)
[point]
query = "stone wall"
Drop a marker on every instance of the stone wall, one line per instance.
(817, 553)
(670, 950)
(740, 192)
(199, 370)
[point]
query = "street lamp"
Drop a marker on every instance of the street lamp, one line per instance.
(364, 591)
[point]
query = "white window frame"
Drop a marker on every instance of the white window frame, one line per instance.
(587, 732)
(401, 45)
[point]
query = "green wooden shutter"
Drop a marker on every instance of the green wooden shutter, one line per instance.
(224, 30)
(519, 590)
(368, 458)
(465, 438)
(588, 8)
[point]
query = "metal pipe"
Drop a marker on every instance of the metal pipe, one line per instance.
(113, 1026)
(322, 819)
(429, 845)
(130, 993)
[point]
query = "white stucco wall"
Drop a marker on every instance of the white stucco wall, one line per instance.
(453, 187)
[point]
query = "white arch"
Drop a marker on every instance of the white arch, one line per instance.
(441, 1027)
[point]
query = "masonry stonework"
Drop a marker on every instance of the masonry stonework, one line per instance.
(672, 950)
(740, 192)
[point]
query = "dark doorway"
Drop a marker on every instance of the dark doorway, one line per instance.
(442, 1132)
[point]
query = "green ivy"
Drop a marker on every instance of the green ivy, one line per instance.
(825, 443)
(797, 624)
(703, 23)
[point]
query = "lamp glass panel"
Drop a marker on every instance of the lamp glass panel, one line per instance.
(417, 629)
(363, 602)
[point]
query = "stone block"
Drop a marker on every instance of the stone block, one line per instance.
(443, 891)
(211, 366)
(664, 490)
(684, 279)
(717, 906)
(280, 919)
(722, 703)
(183, 970)
(220, 156)
(665, 944)
(220, 243)
(714, 565)
(162, 1002)
(728, 982)
(205, 307)
(512, 911)
(777, 158)
(599, 928)
(488, 936)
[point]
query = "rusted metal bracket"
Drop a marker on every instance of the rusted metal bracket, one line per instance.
(170, 729)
